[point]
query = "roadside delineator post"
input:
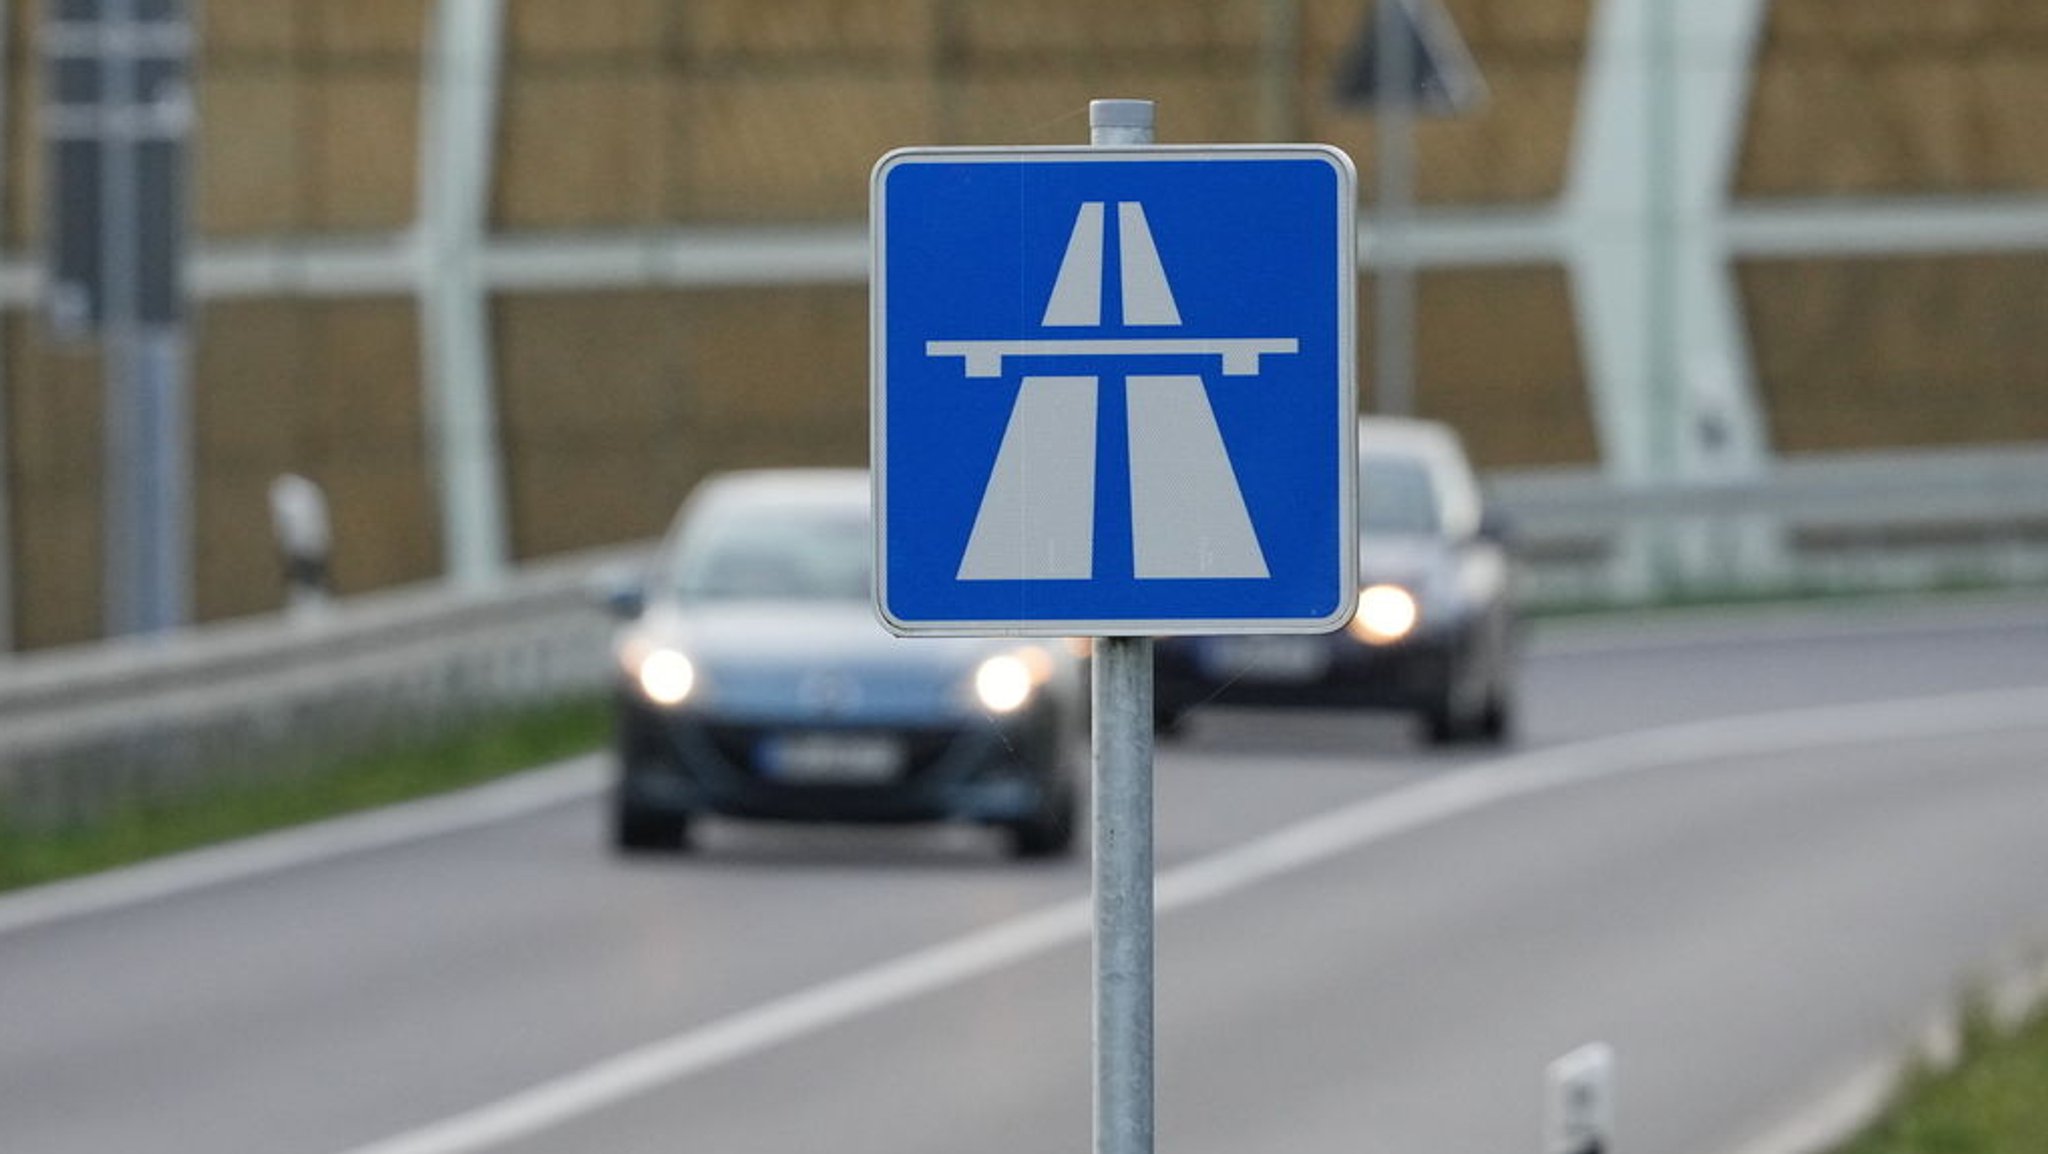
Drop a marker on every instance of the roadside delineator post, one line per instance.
(305, 541)
(1578, 1107)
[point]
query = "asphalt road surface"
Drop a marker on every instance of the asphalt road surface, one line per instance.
(1754, 854)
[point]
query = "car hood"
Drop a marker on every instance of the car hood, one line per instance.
(810, 632)
(1401, 559)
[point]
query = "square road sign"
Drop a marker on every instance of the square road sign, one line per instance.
(1114, 390)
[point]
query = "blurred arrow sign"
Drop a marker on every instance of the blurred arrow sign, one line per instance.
(115, 116)
(1441, 78)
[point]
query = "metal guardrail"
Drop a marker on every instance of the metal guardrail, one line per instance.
(1835, 523)
(87, 730)
(133, 722)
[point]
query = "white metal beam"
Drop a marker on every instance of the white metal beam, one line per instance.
(700, 257)
(376, 266)
(1663, 106)
(459, 106)
(1662, 110)
(1474, 237)
(718, 257)
(1887, 227)
(6, 493)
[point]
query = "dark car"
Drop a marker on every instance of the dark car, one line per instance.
(756, 682)
(1436, 629)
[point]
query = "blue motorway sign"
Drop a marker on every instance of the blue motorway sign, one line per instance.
(1114, 390)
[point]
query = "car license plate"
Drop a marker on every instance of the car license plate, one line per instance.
(837, 758)
(1263, 657)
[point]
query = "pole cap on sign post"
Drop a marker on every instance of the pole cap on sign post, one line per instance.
(1120, 114)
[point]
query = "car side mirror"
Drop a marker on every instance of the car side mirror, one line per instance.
(620, 591)
(1496, 526)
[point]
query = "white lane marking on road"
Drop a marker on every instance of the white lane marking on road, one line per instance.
(1832, 1117)
(235, 861)
(1296, 847)
(749, 1032)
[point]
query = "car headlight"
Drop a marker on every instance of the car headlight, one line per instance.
(1007, 682)
(1003, 683)
(1386, 614)
(665, 676)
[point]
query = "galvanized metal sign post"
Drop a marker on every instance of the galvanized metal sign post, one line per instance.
(1411, 61)
(1122, 841)
(1114, 395)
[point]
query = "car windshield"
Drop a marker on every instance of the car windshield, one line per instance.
(1395, 496)
(789, 553)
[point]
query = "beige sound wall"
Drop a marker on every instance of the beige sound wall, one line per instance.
(638, 114)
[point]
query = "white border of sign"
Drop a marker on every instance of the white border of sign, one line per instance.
(1347, 385)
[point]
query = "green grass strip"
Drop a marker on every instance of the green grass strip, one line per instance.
(490, 749)
(1994, 1100)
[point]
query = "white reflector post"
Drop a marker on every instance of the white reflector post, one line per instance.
(1578, 1107)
